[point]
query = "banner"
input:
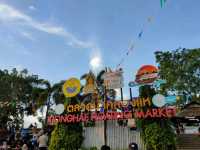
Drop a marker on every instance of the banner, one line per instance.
(113, 80)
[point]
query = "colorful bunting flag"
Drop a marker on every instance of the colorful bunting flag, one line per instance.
(162, 2)
(149, 19)
(140, 34)
(131, 47)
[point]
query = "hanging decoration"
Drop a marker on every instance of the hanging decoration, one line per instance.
(149, 19)
(140, 34)
(162, 3)
(130, 49)
(71, 87)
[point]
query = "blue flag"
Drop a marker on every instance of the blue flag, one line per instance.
(140, 34)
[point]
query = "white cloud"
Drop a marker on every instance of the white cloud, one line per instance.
(25, 52)
(28, 35)
(18, 67)
(32, 7)
(9, 14)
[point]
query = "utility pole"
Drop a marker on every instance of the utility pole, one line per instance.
(105, 109)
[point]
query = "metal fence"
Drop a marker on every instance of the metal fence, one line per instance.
(118, 137)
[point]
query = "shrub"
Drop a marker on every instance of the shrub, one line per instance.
(66, 137)
(93, 148)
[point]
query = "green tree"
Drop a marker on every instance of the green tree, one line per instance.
(157, 133)
(48, 95)
(16, 95)
(159, 137)
(181, 69)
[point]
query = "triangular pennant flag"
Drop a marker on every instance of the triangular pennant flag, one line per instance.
(162, 2)
(131, 47)
(140, 34)
(149, 19)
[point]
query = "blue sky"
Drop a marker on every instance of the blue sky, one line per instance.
(58, 39)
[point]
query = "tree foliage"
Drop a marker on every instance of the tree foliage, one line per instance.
(67, 136)
(157, 133)
(181, 69)
(16, 95)
(159, 137)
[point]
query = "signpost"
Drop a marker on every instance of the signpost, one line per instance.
(113, 80)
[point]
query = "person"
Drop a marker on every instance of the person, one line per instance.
(24, 147)
(182, 128)
(4, 146)
(17, 147)
(34, 141)
(133, 146)
(105, 147)
(42, 141)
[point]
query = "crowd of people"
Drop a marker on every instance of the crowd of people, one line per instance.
(32, 140)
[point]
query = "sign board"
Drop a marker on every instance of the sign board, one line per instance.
(146, 74)
(113, 80)
(160, 100)
(71, 87)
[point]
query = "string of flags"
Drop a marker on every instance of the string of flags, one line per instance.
(139, 37)
(130, 49)
(162, 3)
(132, 45)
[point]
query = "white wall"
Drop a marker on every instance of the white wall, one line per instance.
(118, 137)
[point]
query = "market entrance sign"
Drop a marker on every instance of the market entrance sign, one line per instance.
(140, 108)
(113, 115)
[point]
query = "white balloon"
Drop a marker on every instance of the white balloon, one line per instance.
(59, 109)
